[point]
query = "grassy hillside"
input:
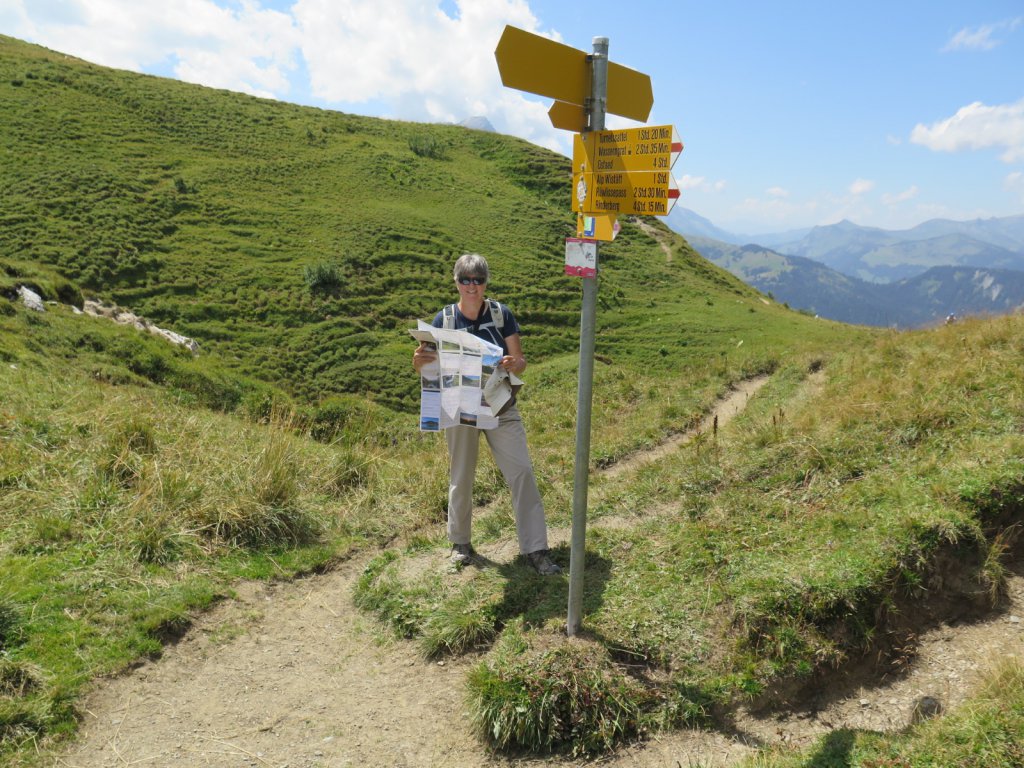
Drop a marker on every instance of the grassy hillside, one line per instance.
(201, 209)
(138, 483)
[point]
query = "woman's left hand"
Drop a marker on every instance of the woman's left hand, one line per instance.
(513, 363)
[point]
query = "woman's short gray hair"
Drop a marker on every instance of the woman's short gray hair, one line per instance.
(471, 265)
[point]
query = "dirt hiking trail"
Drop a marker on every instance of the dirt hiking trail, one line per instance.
(292, 675)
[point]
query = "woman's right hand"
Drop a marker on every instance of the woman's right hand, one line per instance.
(424, 353)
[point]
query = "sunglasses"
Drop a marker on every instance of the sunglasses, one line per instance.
(473, 280)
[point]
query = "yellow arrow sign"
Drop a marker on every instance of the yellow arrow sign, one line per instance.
(650, 148)
(538, 65)
(568, 117)
(643, 192)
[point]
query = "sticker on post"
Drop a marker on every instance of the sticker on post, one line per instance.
(580, 257)
(597, 226)
(581, 190)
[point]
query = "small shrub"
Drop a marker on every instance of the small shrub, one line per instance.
(155, 540)
(153, 533)
(147, 364)
(323, 278)
(259, 403)
(349, 470)
(210, 388)
(122, 456)
(337, 417)
(68, 293)
(428, 146)
(265, 510)
(136, 435)
(570, 696)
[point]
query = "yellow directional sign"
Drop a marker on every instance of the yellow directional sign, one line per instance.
(648, 193)
(539, 65)
(649, 148)
(568, 117)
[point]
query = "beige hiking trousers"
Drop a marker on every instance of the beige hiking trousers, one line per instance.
(508, 446)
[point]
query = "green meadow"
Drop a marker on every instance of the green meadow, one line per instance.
(139, 483)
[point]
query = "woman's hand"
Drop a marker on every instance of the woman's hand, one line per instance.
(424, 353)
(513, 363)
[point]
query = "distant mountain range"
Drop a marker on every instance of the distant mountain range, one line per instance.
(872, 276)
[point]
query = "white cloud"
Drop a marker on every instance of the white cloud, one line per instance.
(720, 186)
(983, 38)
(977, 126)
(902, 197)
(861, 186)
(244, 48)
(777, 192)
(14, 19)
(409, 58)
(686, 181)
(423, 63)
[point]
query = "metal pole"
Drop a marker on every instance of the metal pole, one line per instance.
(588, 323)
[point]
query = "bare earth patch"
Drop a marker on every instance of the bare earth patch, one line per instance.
(294, 675)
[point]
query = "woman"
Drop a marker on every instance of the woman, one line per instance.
(492, 322)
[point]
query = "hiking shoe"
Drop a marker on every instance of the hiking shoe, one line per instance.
(542, 563)
(462, 554)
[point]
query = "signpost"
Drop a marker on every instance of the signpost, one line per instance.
(614, 172)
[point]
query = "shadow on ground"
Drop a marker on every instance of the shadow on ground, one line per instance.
(539, 599)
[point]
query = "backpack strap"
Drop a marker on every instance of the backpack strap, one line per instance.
(497, 315)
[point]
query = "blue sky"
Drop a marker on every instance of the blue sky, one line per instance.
(792, 113)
